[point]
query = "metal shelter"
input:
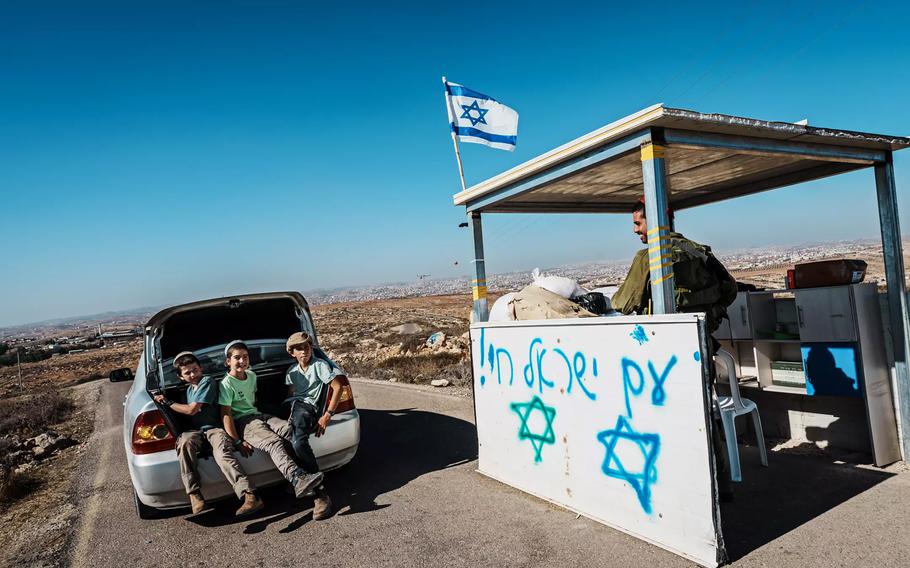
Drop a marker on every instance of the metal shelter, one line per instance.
(679, 159)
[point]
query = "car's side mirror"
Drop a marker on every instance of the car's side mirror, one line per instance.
(119, 375)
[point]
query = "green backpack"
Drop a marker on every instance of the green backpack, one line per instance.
(702, 284)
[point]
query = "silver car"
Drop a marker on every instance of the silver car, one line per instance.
(264, 322)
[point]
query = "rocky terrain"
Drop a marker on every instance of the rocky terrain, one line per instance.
(414, 340)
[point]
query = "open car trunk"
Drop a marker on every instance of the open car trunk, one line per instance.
(212, 322)
(264, 321)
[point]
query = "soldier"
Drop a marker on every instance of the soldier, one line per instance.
(701, 284)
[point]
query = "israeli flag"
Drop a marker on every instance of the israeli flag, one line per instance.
(480, 119)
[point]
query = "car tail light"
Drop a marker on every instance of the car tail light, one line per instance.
(346, 400)
(150, 434)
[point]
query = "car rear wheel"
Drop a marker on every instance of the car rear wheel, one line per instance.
(143, 511)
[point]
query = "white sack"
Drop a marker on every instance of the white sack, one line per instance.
(502, 309)
(565, 287)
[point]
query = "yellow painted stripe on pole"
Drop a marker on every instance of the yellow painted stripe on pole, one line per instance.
(661, 279)
(653, 259)
(664, 265)
(651, 151)
(480, 292)
(665, 238)
(655, 229)
(478, 282)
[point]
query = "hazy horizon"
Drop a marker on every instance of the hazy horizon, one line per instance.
(136, 309)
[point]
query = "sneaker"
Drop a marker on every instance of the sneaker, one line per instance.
(289, 489)
(197, 503)
(306, 482)
(322, 506)
(251, 504)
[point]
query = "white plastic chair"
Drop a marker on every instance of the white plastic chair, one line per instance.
(729, 407)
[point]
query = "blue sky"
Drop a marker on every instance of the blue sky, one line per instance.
(159, 152)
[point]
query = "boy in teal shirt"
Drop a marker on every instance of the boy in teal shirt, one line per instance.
(305, 382)
(202, 409)
(248, 428)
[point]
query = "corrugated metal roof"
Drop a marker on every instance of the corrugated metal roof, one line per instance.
(574, 178)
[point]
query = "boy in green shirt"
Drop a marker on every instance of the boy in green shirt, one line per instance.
(248, 428)
(202, 409)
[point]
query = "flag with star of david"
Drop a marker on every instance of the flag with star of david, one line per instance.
(480, 119)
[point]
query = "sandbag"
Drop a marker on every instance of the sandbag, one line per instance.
(536, 303)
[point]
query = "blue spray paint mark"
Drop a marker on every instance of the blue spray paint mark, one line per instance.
(535, 359)
(579, 365)
(697, 356)
(483, 380)
(639, 335)
(658, 394)
(508, 355)
(481, 347)
(627, 382)
(595, 367)
(647, 444)
(524, 410)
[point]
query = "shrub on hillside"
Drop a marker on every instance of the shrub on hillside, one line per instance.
(31, 415)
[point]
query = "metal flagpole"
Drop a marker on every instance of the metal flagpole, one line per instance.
(454, 138)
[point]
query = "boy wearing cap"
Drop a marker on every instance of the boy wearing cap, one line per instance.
(305, 382)
(202, 409)
(248, 428)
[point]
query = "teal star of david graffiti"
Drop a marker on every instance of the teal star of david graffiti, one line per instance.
(648, 445)
(475, 120)
(523, 410)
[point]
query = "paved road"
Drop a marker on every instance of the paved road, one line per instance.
(411, 497)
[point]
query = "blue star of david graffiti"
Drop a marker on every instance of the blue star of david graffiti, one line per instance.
(524, 409)
(481, 112)
(648, 444)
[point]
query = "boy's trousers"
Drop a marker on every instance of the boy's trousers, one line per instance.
(268, 434)
(304, 417)
(191, 442)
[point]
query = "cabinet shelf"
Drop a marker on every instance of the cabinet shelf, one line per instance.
(788, 390)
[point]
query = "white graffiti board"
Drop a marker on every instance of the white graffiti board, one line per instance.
(605, 416)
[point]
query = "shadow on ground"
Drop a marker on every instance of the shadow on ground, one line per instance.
(396, 447)
(794, 489)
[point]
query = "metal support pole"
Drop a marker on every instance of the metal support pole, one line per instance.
(19, 366)
(657, 204)
(479, 284)
(897, 293)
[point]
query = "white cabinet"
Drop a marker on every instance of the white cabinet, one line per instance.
(738, 324)
(738, 312)
(826, 314)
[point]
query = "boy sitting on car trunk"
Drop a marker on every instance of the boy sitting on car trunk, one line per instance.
(202, 409)
(248, 428)
(306, 381)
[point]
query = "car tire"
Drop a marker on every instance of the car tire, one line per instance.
(143, 511)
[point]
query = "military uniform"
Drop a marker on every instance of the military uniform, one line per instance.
(701, 283)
